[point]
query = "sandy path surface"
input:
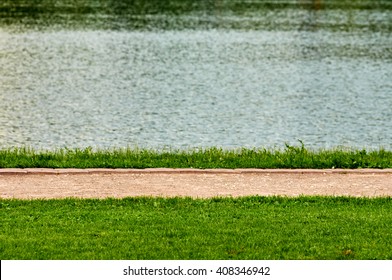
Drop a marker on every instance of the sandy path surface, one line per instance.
(101, 183)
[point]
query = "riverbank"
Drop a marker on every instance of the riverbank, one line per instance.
(290, 157)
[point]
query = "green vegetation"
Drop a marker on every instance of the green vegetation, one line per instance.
(289, 157)
(181, 14)
(175, 7)
(185, 228)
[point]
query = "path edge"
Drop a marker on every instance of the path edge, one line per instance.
(76, 171)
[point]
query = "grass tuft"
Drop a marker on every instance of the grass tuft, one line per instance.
(288, 157)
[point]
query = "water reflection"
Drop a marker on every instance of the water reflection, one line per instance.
(202, 14)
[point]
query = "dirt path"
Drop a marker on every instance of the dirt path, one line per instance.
(100, 183)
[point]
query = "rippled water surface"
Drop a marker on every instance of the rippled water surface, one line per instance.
(179, 74)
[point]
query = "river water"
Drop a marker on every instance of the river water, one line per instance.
(216, 73)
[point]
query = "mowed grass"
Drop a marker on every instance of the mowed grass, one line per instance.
(288, 157)
(185, 228)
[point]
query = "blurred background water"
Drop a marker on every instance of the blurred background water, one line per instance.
(185, 74)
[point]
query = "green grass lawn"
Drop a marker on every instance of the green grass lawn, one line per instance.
(289, 157)
(185, 228)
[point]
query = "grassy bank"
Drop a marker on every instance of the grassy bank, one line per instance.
(184, 228)
(289, 157)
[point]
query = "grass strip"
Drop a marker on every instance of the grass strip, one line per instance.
(289, 157)
(184, 228)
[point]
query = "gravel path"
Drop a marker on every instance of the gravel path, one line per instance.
(101, 183)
